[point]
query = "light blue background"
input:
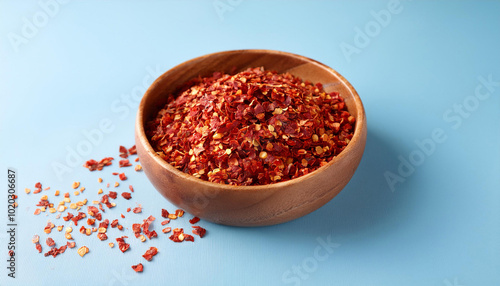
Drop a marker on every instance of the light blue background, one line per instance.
(440, 227)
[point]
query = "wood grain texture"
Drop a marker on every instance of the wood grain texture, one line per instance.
(250, 205)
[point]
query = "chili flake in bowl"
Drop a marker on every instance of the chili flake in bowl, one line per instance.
(256, 127)
(245, 137)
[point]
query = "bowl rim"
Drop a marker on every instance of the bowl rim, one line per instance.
(141, 134)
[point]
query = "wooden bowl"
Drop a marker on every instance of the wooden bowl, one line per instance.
(250, 205)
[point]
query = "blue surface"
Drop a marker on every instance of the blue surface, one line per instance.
(438, 226)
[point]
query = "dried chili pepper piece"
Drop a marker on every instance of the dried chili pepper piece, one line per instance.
(194, 220)
(50, 242)
(200, 231)
(164, 213)
(121, 243)
(138, 267)
(122, 176)
(123, 152)
(124, 163)
(126, 195)
(152, 251)
(132, 150)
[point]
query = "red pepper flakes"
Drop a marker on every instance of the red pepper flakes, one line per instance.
(126, 195)
(114, 223)
(137, 159)
(113, 195)
(131, 188)
(93, 165)
(122, 176)
(80, 216)
(68, 217)
(164, 213)
(253, 128)
(165, 222)
(194, 220)
(46, 189)
(178, 235)
(38, 211)
(124, 163)
(94, 212)
(55, 251)
(115, 173)
(38, 185)
(121, 243)
(71, 244)
(137, 210)
(122, 216)
(50, 242)
(152, 251)
(38, 247)
(128, 209)
(132, 150)
(105, 199)
(49, 227)
(179, 213)
(123, 152)
(35, 239)
(138, 267)
(198, 230)
(145, 227)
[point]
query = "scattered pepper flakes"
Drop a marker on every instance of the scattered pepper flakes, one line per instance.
(126, 195)
(111, 244)
(138, 267)
(137, 159)
(37, 211)
(138, 168)
(122, 177)
(27, 190)
(56, 193)
(166, 230)
(165, 222)
(131, 188)
(76, 193)
(99, 180)
(117, 184)
(83, 250)
(99, 191)
(137, 209)
(71, 244)
(75, 185)
(93, 165)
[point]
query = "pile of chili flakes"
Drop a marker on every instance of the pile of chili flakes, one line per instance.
(253, 128)
(96, 222)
